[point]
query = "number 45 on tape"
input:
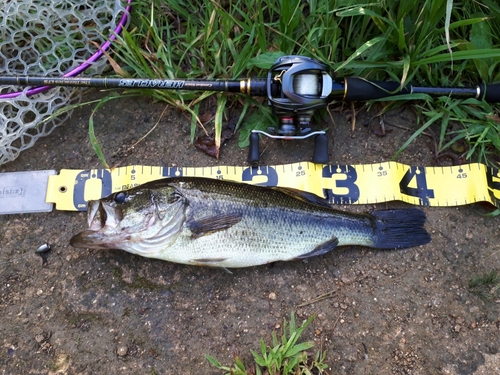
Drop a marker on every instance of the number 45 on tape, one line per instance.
(423, 186)
(340, 184)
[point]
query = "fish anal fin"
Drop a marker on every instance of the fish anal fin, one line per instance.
(213, 224)
(210, 262)
(321, 249)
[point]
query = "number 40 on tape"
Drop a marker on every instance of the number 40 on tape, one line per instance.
(424, 186)
(340, 184)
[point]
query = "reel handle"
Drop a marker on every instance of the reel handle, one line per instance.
(320, 155)
(253, 150)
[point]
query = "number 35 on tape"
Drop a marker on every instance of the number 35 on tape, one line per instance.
(340, 184)
(423, 186)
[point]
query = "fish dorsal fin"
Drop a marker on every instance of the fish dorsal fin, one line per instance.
(211, 224)
(304, 196)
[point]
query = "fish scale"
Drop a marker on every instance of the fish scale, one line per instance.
(275, 225)
(219, 223)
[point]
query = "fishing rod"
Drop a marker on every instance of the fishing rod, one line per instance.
(295, 87)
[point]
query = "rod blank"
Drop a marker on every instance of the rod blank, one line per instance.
(345, 89)
(256, 87)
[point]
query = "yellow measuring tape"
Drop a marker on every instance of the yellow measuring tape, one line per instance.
(340, 184)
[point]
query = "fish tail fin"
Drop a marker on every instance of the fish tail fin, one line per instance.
(400, 228)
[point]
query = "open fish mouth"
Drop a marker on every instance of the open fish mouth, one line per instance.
(104, 227)
(111, 227)
(100, 216)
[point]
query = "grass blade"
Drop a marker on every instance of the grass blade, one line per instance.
(367, 45)
(221, 106)
(93, 139)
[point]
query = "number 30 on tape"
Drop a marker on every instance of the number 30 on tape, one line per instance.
(340, 184)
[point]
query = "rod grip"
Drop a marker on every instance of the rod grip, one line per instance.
(359, 89)
(491, 93)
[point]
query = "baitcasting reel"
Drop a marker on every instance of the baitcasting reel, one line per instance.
(296, 87)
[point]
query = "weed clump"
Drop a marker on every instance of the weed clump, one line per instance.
(285, 355)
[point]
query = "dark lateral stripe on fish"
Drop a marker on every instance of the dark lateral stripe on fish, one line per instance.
(400, 228)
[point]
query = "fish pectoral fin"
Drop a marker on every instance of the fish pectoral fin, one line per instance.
(213, 224)
(321, 249)
(304, 196)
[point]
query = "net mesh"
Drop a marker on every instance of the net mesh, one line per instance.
(47, 38)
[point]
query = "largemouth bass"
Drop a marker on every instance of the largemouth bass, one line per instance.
(208, 222)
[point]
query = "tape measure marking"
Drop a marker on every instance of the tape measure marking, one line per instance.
(339, 183)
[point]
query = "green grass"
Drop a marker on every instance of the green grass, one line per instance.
(486, 286)
(285, 356)
(425, 42)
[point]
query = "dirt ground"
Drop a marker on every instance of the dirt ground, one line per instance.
(109, 312)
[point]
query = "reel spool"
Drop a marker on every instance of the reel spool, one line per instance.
(304, 85)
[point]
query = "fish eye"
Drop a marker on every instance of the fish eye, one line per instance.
(120, 197)
(174, 197)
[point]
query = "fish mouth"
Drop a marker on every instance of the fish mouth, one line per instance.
(145, 237)
(104, 232)
(101, 216)
(95, 240)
